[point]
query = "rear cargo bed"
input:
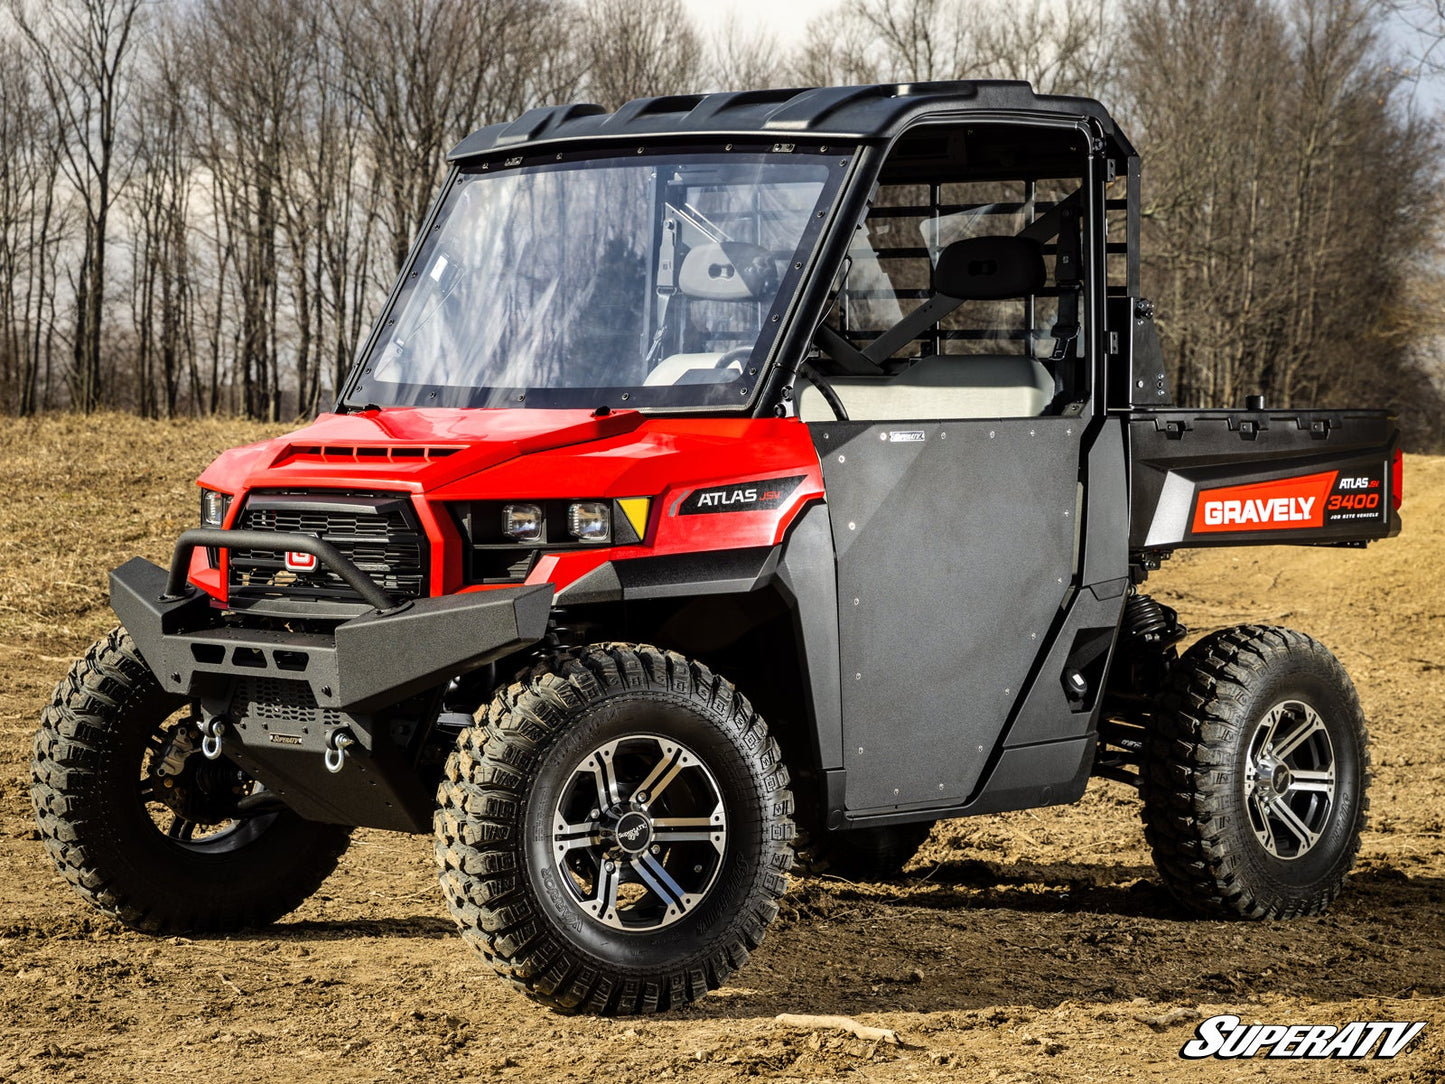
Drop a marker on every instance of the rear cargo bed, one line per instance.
(1267, 477)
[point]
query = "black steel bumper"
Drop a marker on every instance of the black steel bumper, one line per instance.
(286, 706)
(368, 662)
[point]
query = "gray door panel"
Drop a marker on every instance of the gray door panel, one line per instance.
(955, 542)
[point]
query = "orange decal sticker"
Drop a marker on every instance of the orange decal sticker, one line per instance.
(1290, 503)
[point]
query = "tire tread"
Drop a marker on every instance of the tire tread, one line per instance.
(77, 730)
(1186, 775)
(484, 790)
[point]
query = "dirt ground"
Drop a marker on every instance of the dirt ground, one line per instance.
(1034, 946)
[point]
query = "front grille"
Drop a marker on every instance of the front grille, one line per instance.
(379, 532)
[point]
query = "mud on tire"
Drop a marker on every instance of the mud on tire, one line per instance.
(615, 838)
(1255, 776)
(89, 780)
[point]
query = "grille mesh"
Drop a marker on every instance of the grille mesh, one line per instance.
(378, 533)
(277, 700)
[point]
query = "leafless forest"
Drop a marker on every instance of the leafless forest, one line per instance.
(202, 202)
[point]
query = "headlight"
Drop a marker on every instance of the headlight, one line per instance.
(213, 507)
(590, 521)
(522, 522)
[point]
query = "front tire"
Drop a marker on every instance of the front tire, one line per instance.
(616, 837)
(183, 861)
(1255, 776)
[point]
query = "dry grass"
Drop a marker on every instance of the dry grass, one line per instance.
(1011, 939)
(83, 495)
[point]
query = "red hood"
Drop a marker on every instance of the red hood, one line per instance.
(414, 448)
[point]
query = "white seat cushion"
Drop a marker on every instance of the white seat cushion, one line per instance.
(703, 367)
(948, 386)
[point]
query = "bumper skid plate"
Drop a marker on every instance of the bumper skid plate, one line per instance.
(284, 698)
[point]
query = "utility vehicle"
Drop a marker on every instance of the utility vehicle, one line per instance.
(723, 468)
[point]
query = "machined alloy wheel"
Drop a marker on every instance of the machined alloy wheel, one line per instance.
(1289, 779)
(615, 837)
(1255, 773)
(639, 831)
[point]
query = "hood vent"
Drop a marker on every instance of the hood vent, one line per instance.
(365, 453)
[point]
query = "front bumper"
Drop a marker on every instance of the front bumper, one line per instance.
(368, 662)
(284, 697)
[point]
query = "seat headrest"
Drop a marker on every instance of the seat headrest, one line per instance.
(729, 271)
(990, 268)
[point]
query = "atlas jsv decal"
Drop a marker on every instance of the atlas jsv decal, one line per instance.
(1312, 500)
(757, 496)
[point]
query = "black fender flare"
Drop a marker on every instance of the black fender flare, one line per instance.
(803, 572)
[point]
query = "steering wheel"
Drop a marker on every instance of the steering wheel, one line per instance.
(825, 389)
(742, 354)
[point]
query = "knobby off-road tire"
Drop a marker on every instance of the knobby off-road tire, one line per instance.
(867, 854)
(1255, 776)
(616, 837)
(92, 780)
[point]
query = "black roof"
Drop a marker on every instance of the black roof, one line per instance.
(867, 112)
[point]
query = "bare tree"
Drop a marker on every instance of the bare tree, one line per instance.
(921, 39)
(162, 288)
(638, 49)
(82, 50)
(30, 233)
(258, 59)
(837, 50)
(743, 58)
(427, 72)
(1289, 196)
(1060, 48)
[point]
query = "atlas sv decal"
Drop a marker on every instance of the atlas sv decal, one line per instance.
(1226, 1036)
(740, 496)
(1312, 500)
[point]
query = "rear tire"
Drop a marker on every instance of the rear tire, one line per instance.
(616, 837)
(94, 790)
(1255, 776)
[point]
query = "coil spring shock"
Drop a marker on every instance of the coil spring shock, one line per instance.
(1149, 630)
(1149, 621)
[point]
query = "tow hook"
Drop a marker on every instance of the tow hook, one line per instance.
(337, 744)
(212, 729)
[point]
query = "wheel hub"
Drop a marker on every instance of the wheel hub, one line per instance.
(1274, 778)
(633, 831)
(199, 792)
(639, 832)
(1289, 779)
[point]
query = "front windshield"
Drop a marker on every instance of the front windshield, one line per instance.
(653, 280)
